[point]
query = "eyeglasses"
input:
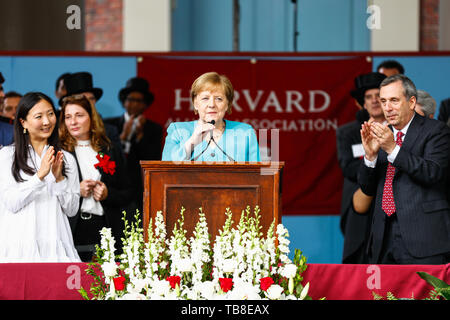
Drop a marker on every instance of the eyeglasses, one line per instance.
(8, 109)
(135, 100)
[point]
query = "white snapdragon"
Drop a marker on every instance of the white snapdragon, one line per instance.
(229, 265)
(289, 270)
(184, 265)
(240, 253)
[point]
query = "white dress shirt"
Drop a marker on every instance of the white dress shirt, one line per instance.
(87, 159)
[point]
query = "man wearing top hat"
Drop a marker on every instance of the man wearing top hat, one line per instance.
(141, 138)
(355, 226)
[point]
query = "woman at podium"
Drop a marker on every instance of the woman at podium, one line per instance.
(211, 137)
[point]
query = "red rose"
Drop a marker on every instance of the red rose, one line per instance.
(174, 281)
(119, 283)
(226, 284)
(108, 167)
(265, 283)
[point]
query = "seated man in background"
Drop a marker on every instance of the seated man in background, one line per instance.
(425, 105)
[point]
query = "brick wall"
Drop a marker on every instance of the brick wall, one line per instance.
(104, 25)
(429, 25)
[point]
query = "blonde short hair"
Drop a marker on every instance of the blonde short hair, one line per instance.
(213, 80)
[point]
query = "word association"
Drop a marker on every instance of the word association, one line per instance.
(229, 309)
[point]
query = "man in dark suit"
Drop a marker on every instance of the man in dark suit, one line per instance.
(444, 111)
(141, 138)
(405, 167)
(355, 226)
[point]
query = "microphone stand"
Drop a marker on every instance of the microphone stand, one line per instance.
(296, 33)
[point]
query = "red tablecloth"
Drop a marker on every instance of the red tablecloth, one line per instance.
(358, 282)
(61, 281)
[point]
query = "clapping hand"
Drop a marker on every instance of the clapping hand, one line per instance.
(140, 127)
(384, 136)
(370, 144)
(57, 166)
(127, 127)
(46, 163)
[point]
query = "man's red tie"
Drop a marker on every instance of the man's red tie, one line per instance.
(387, 203)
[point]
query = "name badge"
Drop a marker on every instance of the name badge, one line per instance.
(358, 150)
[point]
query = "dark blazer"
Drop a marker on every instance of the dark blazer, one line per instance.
(444, 110)
(148, 148)
(354, 226)
(419, 188)
(6, 134)
(119, 194)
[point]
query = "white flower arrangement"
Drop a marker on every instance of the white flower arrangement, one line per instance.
(240, 264)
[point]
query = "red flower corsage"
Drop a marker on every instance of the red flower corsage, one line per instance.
(108, 166)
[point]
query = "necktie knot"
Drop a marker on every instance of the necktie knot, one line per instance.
(399, 138)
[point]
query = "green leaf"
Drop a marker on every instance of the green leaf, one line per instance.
(84, 294)
(435, 282)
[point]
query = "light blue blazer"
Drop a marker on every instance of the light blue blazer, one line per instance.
(238, 141)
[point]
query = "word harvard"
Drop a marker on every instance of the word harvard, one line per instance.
(249, 309)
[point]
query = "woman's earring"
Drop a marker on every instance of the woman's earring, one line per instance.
(24, 130)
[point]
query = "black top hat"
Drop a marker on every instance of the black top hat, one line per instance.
(80, 82)
(137, 84)
(365, 82)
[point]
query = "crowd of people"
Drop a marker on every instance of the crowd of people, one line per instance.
(395, 158)
(68, 172)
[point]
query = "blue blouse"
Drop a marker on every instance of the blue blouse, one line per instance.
(238, 141)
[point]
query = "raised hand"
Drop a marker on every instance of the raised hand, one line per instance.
(46, 163)
(200, 132)
(127, 128)
(57, 166)
(370, 144)
(384, 136)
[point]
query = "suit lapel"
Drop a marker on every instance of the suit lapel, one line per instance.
(412, 134)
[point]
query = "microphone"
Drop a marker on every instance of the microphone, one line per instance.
(213, 122)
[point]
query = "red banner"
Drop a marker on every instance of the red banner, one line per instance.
(297, 102)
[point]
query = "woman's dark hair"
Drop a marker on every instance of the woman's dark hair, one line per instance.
(22, 140)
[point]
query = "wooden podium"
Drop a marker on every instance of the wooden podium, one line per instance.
(169, 186)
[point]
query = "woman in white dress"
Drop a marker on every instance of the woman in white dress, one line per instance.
(39, 188)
